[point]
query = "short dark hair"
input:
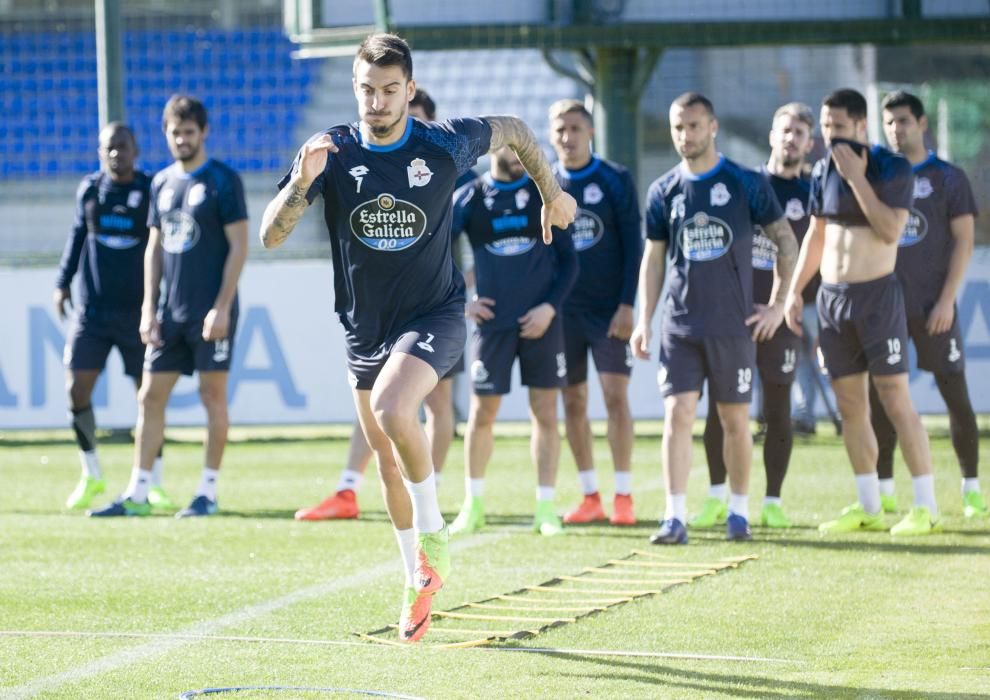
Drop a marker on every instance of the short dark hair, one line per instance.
(848, 99)
(114, 127)
(690, 99)
(180, 108)
(902, 98)
(422, 99)
(386, 50)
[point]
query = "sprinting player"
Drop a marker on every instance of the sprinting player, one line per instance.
(860, 198)
(776, 358)
(196, 251)
(934, 251)
(107, 246)
(598, 314)
(387, 183)
(438, 406)
(702, 214)
(521, 289)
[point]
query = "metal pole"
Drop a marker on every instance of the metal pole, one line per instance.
(109, 61)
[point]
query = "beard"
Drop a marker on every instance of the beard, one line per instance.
(188, 155)
(381, 131)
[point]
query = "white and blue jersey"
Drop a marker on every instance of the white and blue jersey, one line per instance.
(512, 264)
(109, 235)
(388, 212)
(191, 210)
(941, 193)
(607, 233)
(792, 195)
(707, 222)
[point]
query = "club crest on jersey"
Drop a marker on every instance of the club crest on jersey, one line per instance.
(489, 203)
(514, 245)
(719, 195)
(703, 237)
(196, 194)
(134, 198)
(419, 174)
(915, 230)
(522, 198)
(794, 209)
(593, 193)
(180, 232)
(923, 188)
(358, 172)
(386, 223)
(587, 229)
(764, 250)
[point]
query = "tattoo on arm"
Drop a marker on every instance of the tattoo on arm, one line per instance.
(282, 215)
(513, 132)
(787, 254)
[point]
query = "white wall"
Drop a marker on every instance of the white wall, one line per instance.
(289, 356)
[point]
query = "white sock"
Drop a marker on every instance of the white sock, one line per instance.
(886, 487)
(739, 504)
(774, 500)
(407, 548)
(924, 493)
(157, 469)
(719, 491)
(90, 464)
(137, 488)
(970, 485)
(475, 487)
(868, 489)
(426, 507)
(623, 483)
(544, 493)
(208, 483)
(676, 507)
(350, 480)
(589, 481)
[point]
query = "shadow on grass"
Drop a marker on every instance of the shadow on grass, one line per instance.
(914, 546)
(742, 686)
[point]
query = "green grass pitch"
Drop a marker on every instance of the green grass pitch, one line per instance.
(253, 598)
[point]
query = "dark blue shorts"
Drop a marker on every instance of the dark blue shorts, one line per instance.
(458, 366)
(589, 331)
(725, 361)
(436, 338)
(863, 327)
(542, 363)
(94, 334)
(776, 359)
(942, 353)
(184, 350)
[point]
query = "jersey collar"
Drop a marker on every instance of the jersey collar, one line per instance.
(183, 175)
(584, 172)
(392, 146)
(688, 175)
(927, 161)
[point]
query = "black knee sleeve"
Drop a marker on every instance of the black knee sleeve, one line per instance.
(962, 421)
(84, 426)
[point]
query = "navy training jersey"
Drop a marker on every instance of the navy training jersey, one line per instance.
(707, 222)
(792, 195)
(388, 212)
(941, 193)
(109, 235)
(191, 210)
(607, 233)
(512, 264)
(887, 172)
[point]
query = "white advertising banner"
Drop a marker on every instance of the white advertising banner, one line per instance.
(288, 362)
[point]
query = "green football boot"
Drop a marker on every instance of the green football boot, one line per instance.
(974, 506)
(918, 521)
(82, 495)
(854, 518)
(546, 521)
(471, 518)
(714, 511)
(772, 515)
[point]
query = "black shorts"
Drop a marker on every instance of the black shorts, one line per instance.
(776, 359)
(184, 350)
(942, 353)
(863, 327)
(436, 338)
(589, 331)
(725, 361)
(94, 334)
(542, 363)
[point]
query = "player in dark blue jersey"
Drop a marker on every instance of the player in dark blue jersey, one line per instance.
(598, 314)
(701, 215)
(387, 183)
(438, 405)
(106, 246)
(521, 286)
(860, 198)
(196, 250)
(776, 358)
(934, 251)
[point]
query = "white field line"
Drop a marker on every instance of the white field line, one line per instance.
(193, 633)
